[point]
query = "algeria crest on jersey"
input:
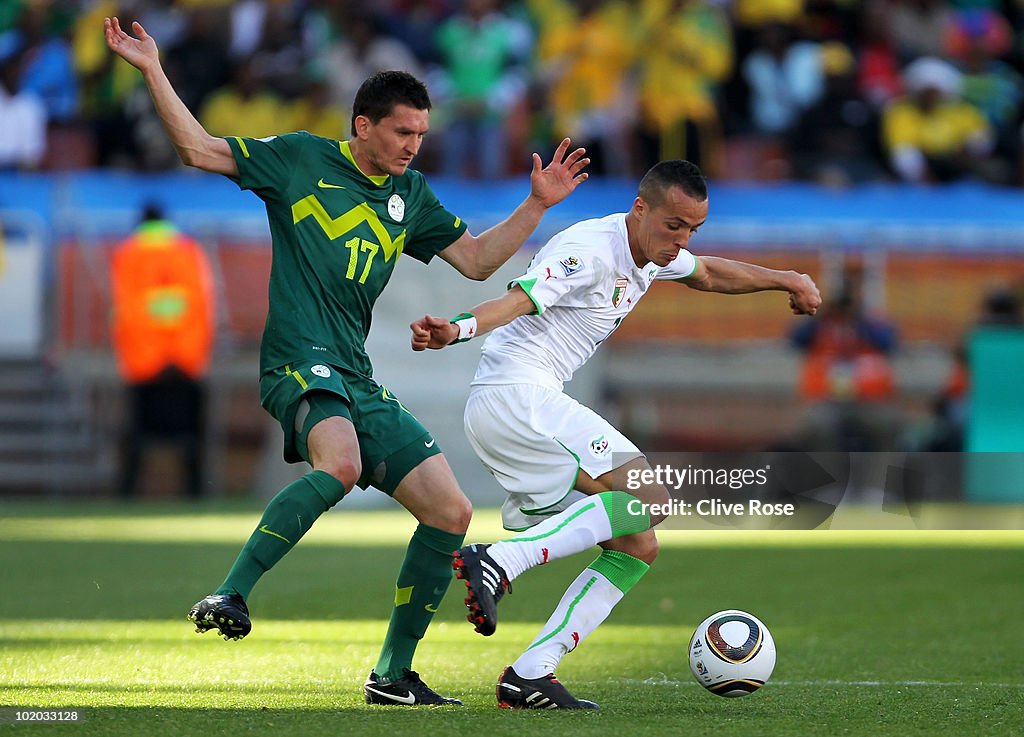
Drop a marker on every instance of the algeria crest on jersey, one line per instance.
(619, 291)
(396, 208)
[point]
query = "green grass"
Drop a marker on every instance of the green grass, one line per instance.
(891, 633)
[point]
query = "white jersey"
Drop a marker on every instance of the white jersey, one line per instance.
(583, 282)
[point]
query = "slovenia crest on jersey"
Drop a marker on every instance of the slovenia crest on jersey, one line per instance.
(571, 265)
(619, 291)
(396, 208)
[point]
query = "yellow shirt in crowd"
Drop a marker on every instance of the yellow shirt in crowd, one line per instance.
(944, 130)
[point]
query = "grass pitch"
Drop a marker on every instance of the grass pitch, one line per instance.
(893, 633)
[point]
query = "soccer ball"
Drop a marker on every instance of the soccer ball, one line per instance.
(732, 653)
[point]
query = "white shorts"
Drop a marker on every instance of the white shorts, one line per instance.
(535, 441)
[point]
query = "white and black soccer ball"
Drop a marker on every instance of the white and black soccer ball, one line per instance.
(732, 653)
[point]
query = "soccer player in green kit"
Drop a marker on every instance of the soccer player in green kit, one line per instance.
(341, 213)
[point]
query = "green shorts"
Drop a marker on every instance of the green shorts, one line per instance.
(392, 441)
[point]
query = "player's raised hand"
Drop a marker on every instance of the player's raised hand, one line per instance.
(805, 299)
(553, 183)
(140, 52)
(432, 332)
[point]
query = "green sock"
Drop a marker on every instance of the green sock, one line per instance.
(285, 520)
(422, 582)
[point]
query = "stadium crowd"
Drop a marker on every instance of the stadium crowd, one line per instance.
(834, 91)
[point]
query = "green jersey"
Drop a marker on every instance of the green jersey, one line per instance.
(337, 234)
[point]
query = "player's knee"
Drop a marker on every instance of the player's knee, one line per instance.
(345, 470)
(460, 514)
(451, 514)
(643, 545)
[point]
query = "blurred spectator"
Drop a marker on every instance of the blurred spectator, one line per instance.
(243, 107)
(688, 54)
(846, 377)
(314, 112)
(918, 27)
(46, 64)
(106, 82)
(116, 106)
(163, 331)
(482, 83)
(413, 23)
(756, 14)
(831, 20)
(199, 63)
(879, 79)
(976, 39)
(785, 78)
(933, 135)
(361, 51)
(585, 53)
(22, 120)
(247, 21)
(279, 60)
(1001, 307)
(831, 144)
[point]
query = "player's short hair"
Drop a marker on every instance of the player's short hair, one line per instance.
(379, 94)
(672, 173)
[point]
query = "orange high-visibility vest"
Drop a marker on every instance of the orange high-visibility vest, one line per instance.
(163, 304)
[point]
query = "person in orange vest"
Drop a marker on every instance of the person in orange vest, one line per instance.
(847, 376)
(163, 331)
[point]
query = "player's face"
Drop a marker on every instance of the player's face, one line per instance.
(390, 144)
(667, 227)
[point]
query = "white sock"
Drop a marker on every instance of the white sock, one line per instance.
(585, 604)
(586, 523)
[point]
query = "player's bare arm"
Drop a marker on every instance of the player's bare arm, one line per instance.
(195, 146)
(477, 257)
(438, 332)
(726, 276)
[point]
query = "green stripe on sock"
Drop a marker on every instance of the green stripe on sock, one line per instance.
(622, 569)
(577, 513)
(623, 520)
(568, 615)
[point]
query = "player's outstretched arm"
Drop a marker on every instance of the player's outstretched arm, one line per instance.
(195, 146)
(438, 332)
(726, 276)
(477, 257)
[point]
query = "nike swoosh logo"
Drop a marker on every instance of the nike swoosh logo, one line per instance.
(324, 185)
(431, 609)
(407, 699)
(430, 444)
(268, 531)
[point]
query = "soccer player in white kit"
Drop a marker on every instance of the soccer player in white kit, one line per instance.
(563, 466)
